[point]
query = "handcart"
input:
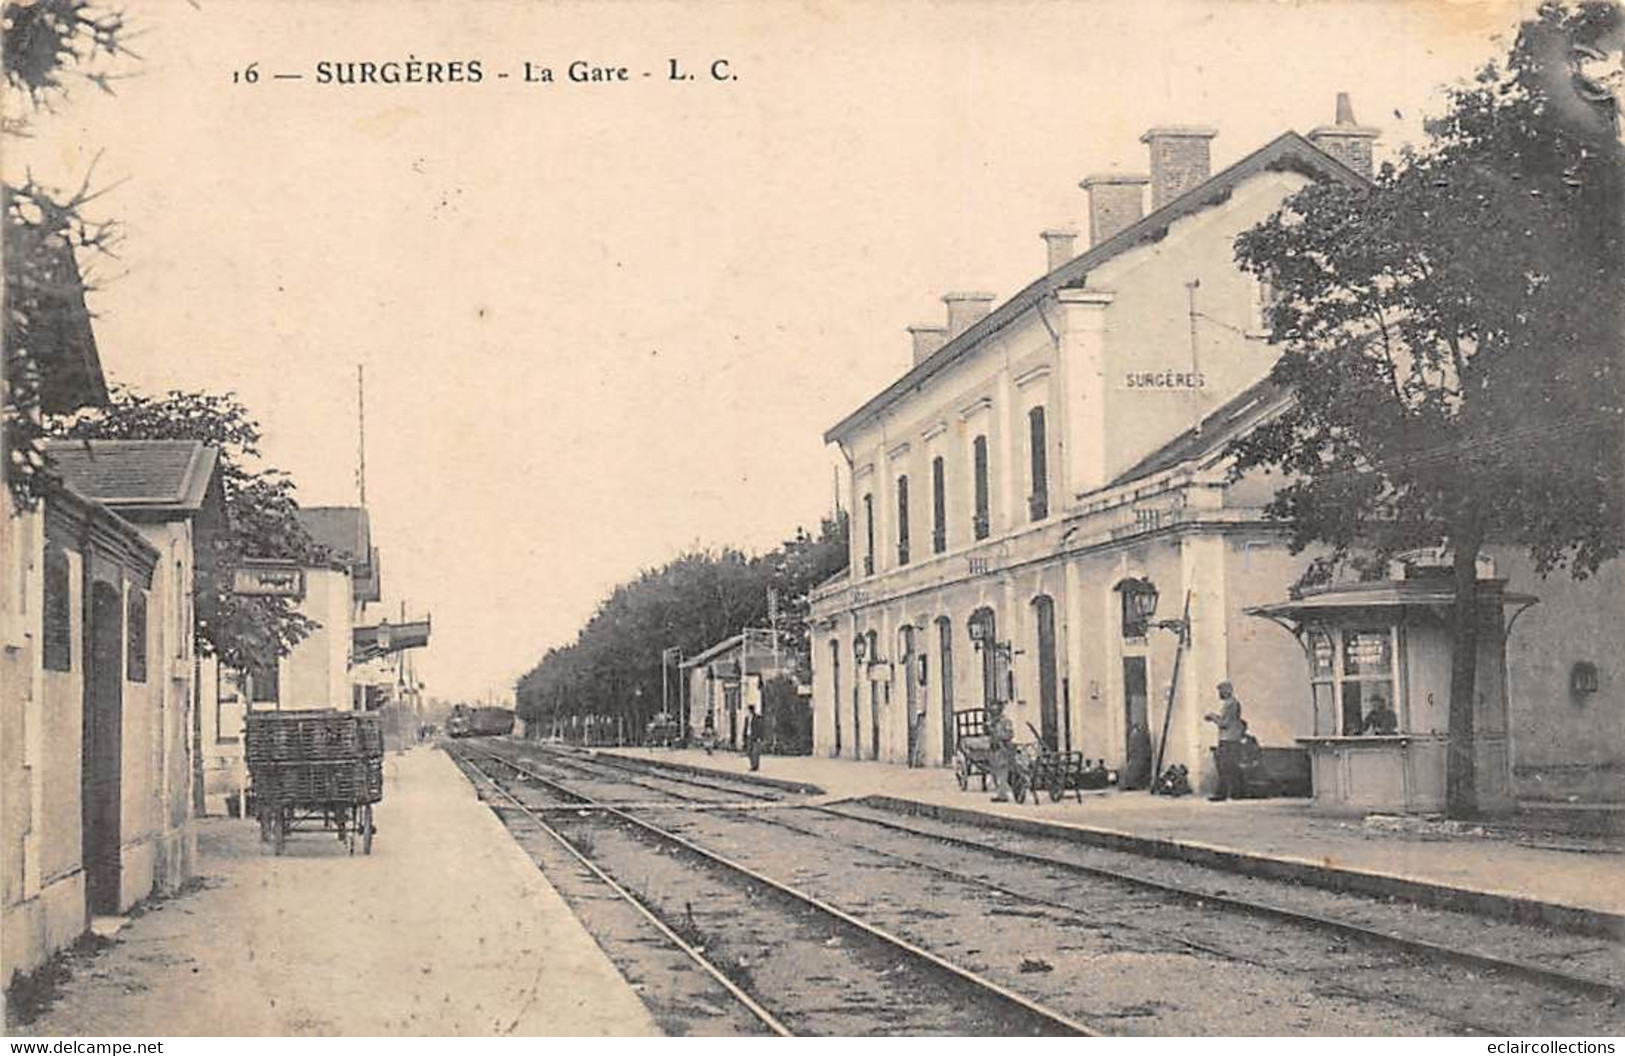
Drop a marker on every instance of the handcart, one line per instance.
(315, 771)
(973, 754)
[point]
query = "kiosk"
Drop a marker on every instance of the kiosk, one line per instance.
(1379, 691)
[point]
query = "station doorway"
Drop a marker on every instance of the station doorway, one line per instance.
(101, 793)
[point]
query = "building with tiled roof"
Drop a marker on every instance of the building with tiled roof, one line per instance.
(96, 661)
(1046, 469)
(1045, 466)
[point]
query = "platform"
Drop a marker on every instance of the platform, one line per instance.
(426, 936)
(1513, 872)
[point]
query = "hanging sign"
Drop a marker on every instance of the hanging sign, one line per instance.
(268, 582)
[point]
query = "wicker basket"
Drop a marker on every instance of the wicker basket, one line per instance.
(312, 736)
(344, 781)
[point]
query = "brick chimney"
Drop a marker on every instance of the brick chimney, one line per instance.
(927, 339)
(1348, 141)
(964, 309)
(1115, 202)
(1059, 245)
(1179, 160)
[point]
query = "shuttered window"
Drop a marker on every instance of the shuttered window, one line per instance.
(939, 507)
(1038, 501)
(979, 460)
(57, 647)
(869, 535)
(135, 624)
(902, 520)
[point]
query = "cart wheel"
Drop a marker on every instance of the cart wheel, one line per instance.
(366, 829)
(1018, 787)
(961, 772)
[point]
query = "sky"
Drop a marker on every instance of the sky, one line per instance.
(603, 323)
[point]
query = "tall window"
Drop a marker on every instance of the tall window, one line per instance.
(1038, 501)
(869, 534)
(835, 689)
(183, 624)
(939, 507)
(57, 654)
(902, 520)
(1352, 672)
(135, 626)
(981, 522)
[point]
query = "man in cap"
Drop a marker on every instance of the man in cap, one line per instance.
(1232, 730)
(1001, 739)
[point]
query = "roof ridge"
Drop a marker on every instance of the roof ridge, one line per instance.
(1154, 223)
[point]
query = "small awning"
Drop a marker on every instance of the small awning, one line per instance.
(381, 639)
(1432, 595)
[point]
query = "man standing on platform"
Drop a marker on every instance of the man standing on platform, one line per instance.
(753, 737)
(1001, 740)
(1232, 730)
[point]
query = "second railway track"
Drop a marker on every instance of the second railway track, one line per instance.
(1091, 956)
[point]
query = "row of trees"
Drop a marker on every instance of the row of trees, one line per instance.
(614, 667)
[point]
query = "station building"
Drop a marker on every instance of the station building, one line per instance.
(1042, 510)
(725, 681)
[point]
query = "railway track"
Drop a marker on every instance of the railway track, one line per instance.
(694, 955)
(986, 841)
(954, 999)
(1185, 914)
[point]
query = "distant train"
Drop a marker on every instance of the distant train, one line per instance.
(479, 722)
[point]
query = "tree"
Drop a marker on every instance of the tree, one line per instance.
(243, 632)
(46, 43)
(1452, 336)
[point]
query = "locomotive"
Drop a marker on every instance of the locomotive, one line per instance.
(479, 722)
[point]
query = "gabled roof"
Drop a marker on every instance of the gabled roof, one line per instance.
(715, 651)
(342, 531)
(59, 332)
(346, 534)
(160, 478)
(1288, 151)
(1213, 433)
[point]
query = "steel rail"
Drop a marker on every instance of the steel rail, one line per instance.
(1183, 940)
(768, 1019)
(576, 762)
(1533, 972)
(1025, 1004)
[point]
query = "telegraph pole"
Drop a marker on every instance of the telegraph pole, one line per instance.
(361, 432)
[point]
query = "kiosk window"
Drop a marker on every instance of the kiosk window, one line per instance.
(1351, 678)
(1368, 681)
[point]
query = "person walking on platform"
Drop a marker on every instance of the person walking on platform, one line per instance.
(753, 737)
(1137, 771)
(1001, 740)
(1232, 730)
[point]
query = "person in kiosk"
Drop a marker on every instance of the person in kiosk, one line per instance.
(1232, 734)
(1381, 719)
